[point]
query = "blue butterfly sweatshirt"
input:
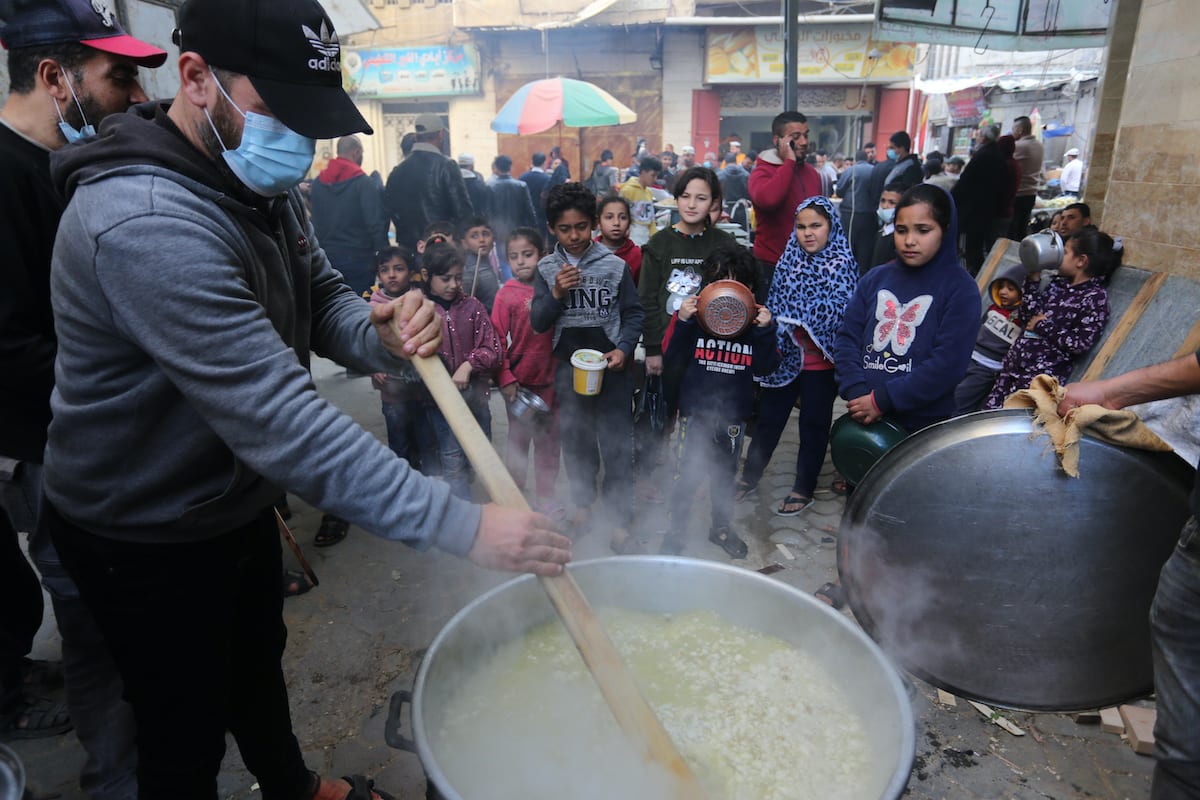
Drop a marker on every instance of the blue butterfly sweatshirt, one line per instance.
(907, 336)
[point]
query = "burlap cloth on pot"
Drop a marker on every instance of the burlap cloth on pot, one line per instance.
(1123, 428)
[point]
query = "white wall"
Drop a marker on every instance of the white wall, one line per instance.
(470, 126)
(683, 72)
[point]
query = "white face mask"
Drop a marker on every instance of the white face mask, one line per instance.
(886, 215)
(69, 133)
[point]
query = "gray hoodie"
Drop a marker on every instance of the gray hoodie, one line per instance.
(185, 311)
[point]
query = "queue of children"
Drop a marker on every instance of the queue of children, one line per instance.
(901, 339)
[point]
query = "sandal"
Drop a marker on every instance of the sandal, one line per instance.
(624, 543)
(295, 583)
(333, 530)
(33, 717)
(743, 491)
(729, 541)
(793, 504)
(833, 594)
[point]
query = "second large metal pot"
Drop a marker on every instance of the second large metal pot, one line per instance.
(672, 585)
(987, 571)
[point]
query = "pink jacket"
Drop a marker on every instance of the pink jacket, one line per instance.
(528, 358)
(468, 336)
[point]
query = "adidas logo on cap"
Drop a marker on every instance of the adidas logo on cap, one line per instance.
(326, 44)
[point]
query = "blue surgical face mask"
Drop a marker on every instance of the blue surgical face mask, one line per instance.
(886, 215)
(69, 133)
(891, 154)
(272, 158)
(708, 164)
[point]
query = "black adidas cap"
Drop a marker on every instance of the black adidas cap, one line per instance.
(289, 51)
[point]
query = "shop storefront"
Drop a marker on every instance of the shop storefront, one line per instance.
(844, 77)
(392, 85)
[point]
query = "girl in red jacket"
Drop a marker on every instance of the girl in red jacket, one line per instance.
(614, 233)
(528, 362)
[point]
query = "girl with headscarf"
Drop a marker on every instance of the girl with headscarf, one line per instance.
(813, 282)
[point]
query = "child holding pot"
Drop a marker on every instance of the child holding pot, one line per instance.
(585, 294)
(909, 329)
(716, 397)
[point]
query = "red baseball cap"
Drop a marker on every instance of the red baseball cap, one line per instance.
(88, 22)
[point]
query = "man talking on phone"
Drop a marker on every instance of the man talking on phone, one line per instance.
(779, 181)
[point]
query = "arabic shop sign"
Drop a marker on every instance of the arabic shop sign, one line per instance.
(411, 72)
(826, 54)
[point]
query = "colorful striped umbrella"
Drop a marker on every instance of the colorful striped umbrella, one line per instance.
(537, 106)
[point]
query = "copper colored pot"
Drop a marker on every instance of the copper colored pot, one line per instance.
(725, 309)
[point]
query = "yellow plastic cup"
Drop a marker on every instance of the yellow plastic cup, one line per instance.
(588, 374)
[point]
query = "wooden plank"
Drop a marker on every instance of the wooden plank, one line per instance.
(989, 267)
(1191, 342)
(1139, 724)
(1110, 721)
(1118, 335)
(996, 718)
(945, 698)
(617, 685)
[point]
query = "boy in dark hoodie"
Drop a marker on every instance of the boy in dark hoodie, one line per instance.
(586, 295)
(997, 332)
(715, 400)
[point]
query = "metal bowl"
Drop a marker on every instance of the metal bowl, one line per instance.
(855, 447)
(528, 407)
(1042, 250)
(726, 309)
(670, 585)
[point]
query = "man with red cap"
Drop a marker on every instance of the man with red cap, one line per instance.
(189, 290)
(70, 65)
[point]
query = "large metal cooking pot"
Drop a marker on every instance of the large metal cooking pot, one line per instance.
(987, 571)
(665, 584)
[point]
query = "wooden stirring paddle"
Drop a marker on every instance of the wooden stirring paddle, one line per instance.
(616, 683)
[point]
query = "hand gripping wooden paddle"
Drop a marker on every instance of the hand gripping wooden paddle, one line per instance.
(616, 683)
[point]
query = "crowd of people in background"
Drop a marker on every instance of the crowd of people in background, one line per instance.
(505, 259)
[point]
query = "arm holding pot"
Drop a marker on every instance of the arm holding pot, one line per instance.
(1173, 378)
